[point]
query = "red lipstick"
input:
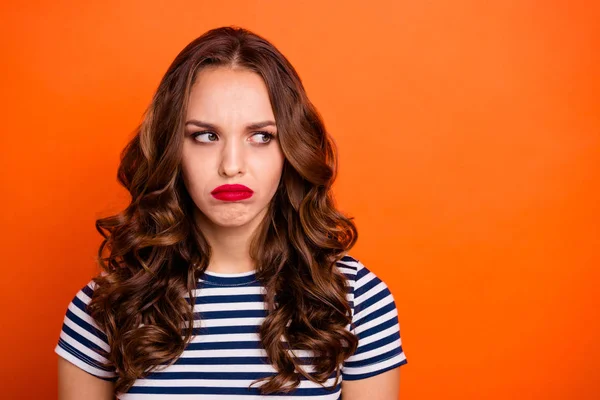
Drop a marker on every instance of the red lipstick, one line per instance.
(232, 192)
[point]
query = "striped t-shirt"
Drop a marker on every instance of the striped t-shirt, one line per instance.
(226, 356)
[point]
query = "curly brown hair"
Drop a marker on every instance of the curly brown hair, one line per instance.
(153, 251)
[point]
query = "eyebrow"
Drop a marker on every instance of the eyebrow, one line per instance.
(254, 125)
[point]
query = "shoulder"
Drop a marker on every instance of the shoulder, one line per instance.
(78, 316)
(367, 289)
(356, 272)
(86, 292)
(349, 266)
(82, 342)
(374, 322)
(82, 298)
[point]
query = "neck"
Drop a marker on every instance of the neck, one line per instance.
(230, 246)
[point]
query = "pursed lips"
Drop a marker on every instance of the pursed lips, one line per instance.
(232, 188)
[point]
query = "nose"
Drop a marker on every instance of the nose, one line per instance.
(232, 160)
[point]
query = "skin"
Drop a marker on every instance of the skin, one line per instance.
(228, 152)
(385, 386)
(74, 383)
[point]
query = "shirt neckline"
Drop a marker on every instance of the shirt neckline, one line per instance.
(223, 279)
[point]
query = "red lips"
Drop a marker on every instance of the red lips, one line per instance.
(232, 192)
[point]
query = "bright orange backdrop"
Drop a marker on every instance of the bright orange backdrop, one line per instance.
(469, 138)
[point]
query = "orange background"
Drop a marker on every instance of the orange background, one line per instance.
(469, 138)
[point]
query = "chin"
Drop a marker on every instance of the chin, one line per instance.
(231, 215)
(230, 223)
(230, 219)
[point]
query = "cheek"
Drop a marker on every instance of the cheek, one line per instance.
(193, 178)
(271, 168)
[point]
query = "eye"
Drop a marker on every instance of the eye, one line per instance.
(266, 137)
(196, 135)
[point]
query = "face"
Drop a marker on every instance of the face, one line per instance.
(230, 138)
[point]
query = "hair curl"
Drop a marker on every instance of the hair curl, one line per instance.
(155, 251)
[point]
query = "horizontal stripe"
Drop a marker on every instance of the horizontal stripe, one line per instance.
(225, 354)
(352, 374)
(154, 396)
(189, 380)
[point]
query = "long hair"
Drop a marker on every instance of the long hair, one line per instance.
(153, 251)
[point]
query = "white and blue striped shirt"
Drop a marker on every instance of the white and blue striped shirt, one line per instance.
(225, 355)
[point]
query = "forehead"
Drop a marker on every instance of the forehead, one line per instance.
(223, 93)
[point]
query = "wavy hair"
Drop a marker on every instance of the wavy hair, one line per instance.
(153, 251)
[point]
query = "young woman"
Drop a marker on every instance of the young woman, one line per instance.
(228, 274)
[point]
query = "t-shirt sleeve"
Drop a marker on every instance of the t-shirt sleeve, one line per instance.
(375, 319)
(81, 341)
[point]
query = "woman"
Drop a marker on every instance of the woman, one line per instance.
(231, 225)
